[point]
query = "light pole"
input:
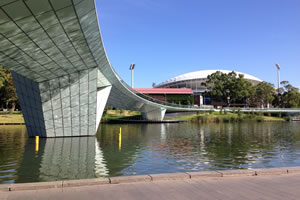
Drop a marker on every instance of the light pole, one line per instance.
(278, 76)
(228, 97)
(132, 66)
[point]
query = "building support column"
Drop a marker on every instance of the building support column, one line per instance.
(70, 105)
(156, 114)
(102, 96)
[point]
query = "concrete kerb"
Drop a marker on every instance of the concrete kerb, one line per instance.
(205, 174)
(272, 171)
(5, 188)
(130, 179)
(85, 182)
(169, 176)
(148, 178)
(293, 169)
(238, 172)
(35, 186)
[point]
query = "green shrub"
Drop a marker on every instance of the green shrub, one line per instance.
(259, 118)
(239, 112)
(233, 119)
(288, 118)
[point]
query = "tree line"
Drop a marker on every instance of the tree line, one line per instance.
(233, 88)
(8, 96)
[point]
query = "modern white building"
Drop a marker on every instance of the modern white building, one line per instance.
(195, 80)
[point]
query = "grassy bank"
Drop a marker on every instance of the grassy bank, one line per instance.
(120, 114)
(226, 117)
(11, 118)
(16, 117)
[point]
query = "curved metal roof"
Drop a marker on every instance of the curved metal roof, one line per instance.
(203, 74)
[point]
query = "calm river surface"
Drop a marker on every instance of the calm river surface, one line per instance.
(148, 148)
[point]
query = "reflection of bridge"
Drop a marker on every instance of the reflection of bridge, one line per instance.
(60, 69)
(62, 159)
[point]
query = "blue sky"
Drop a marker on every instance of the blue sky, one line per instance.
(166, 38)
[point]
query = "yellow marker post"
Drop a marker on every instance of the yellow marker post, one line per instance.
(36, 143)
(120, 139)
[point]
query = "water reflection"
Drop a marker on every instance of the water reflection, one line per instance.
(148, 148)
(120, 159)
(100, 163)
(62, 159)
(12, 143)
(160, 148)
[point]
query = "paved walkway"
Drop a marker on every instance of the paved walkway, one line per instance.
(273, 187)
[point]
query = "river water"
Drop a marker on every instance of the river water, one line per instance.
(147, 149)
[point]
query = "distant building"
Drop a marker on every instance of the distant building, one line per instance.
(194, 80)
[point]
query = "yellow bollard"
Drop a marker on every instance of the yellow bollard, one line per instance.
(36, 143)
(120, 139)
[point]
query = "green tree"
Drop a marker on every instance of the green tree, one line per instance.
(7, 89)
(3, 76)
(264, 94)
(11, 94)
(228, 87)
(289, 96)
(3, 81)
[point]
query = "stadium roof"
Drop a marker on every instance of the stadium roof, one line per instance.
(164, 90)
(202, 75)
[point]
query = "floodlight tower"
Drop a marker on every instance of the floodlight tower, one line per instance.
(132, 66)
(278, 76)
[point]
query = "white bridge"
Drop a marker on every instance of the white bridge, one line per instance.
(60, 69)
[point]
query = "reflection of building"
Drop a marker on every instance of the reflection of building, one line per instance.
(62, 159)
(194, 81)
(68, 158)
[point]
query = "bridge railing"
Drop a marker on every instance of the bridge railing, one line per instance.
(262, 109)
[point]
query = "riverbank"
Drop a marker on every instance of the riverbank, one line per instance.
(227, 117)
(201, 117)
(121, 114)
(279, 183)
(15, 118)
